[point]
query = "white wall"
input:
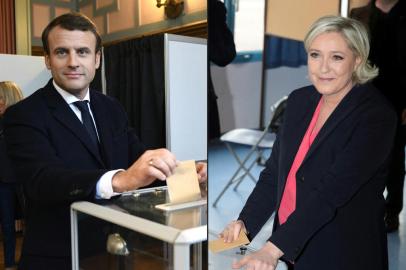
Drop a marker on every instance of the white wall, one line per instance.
(238, 87)
(29, 72)
(280, 82)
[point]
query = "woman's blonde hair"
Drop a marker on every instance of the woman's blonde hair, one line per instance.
(356, 36)
(10, 93)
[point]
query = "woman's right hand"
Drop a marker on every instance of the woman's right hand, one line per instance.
(232, 231)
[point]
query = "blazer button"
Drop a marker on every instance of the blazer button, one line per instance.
(75, 192)
(302, 178)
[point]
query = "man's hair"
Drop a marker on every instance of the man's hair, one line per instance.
(356, 36)
(71, 21)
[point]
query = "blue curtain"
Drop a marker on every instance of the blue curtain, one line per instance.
(284, 52)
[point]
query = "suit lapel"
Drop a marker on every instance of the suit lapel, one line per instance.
(294, 132)
(64, 114)
(343, 110)
(104, 130)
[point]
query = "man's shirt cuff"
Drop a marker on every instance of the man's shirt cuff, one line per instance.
(104, 187)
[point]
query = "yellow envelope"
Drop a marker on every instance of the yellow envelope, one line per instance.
(219, 244)
(183, 185)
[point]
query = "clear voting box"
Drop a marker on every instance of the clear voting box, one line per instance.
(130, 232)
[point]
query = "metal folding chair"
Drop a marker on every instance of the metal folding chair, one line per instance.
(259, 140)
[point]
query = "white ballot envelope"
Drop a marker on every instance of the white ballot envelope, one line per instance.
(183, 185)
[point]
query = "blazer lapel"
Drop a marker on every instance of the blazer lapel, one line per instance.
(103, 128)
(347, 105)
(64, 114)
(294, 133)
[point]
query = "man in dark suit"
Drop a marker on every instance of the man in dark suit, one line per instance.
(70, 143)
(386, 22)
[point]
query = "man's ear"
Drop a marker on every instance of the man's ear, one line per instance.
(98, 55)
(47, 63)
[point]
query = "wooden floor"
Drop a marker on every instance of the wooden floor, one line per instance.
(19, 242)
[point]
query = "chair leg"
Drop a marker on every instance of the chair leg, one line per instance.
(230, 182)
(247, 172)
(234, 178)
(242, 166)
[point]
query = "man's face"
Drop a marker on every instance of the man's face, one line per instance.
(72, 59)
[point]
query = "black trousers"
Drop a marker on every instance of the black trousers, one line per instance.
(396, 176)
(44, 263)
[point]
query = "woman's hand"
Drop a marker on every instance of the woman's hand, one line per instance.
(264, 259)
(232, 231)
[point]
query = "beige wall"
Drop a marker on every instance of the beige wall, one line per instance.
(358, 3)
(292, 19)
(116, 19)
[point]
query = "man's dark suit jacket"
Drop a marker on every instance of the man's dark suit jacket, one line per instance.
(338, 222)
(6, 173)
(52, 153)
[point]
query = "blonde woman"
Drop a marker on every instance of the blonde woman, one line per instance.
(10, 94)
(326, 174)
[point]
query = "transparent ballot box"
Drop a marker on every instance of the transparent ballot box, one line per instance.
(130, 232)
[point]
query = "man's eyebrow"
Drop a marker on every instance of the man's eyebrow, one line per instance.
(76, 49)
(59, 49)
(81, 50)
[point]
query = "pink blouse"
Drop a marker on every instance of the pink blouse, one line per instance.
(288, 203)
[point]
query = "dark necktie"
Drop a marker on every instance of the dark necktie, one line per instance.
(87, 120)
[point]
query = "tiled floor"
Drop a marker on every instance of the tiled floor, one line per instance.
(221, 166)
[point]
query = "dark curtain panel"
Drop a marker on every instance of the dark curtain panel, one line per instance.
(284, 52)
(135, 76)
(96, 84)
(7, 27)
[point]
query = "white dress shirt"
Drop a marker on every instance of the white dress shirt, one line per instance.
(104, 188)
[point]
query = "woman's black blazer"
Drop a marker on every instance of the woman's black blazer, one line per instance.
(338, 222)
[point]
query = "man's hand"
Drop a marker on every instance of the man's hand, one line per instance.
(264, 259)
(232, 231)
(153, 164)
(201, 168)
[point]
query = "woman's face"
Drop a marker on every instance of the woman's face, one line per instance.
(331, 64)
